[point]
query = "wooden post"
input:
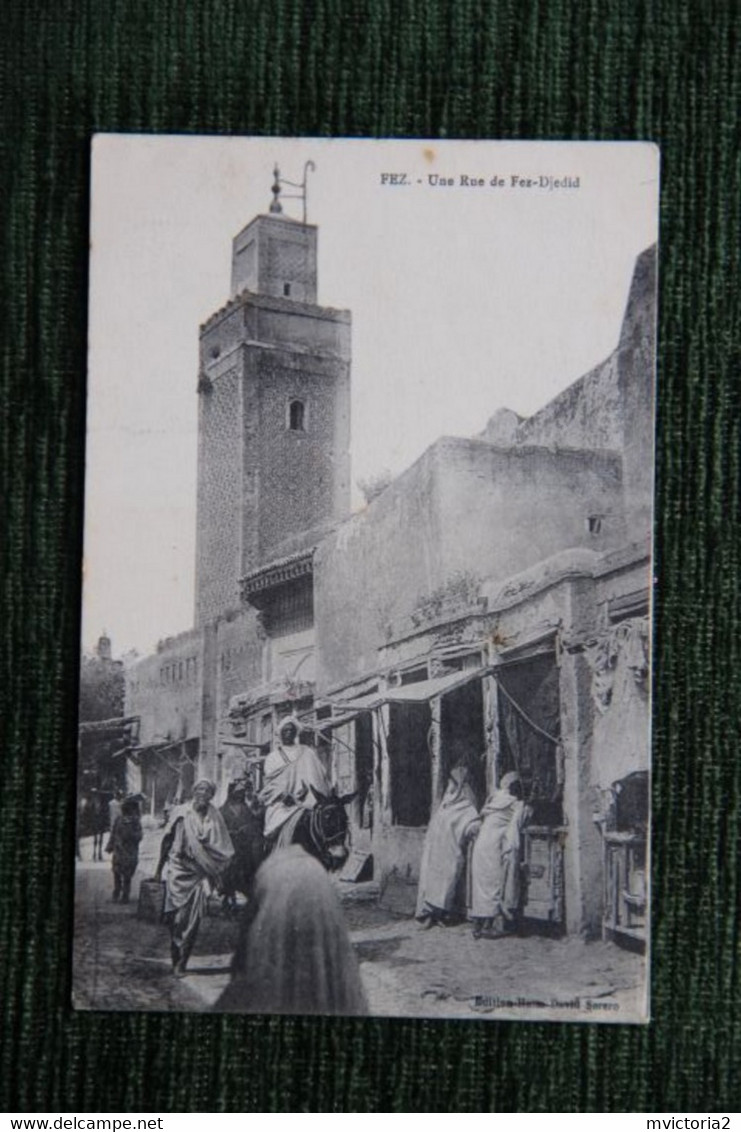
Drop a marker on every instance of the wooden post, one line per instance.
(491, 730)
(435, 737)
(384, 801)
(379, 815)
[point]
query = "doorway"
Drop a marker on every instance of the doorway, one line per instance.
(462, 738)
(410, 763)
(529, 730)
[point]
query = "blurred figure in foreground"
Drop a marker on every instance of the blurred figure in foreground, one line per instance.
(294, 955)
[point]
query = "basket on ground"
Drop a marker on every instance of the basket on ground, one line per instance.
(151, 900)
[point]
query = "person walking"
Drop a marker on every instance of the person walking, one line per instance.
(123, 844)
(196, 851)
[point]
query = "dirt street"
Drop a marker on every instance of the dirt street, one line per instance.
(122, 963)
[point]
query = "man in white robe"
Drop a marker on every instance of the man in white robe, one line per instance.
(495, 861)
(454, 823)
(196, 851)
(290, 771)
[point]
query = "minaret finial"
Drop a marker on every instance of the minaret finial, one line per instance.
(275, 205)
(279, 182)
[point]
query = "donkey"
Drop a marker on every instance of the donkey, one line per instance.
(322, 831)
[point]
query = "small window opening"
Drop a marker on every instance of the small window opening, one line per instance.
(594, 524)
(296, 414)
(286, 289)
(413, 675)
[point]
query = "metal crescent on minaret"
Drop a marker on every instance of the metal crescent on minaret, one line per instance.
(279, 182)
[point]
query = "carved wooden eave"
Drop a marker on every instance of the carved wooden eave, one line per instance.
(264, 696)
(109, 726)
(258, 587)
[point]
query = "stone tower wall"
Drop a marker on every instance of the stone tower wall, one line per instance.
(264, 485)
(220, 495)
(304, 476)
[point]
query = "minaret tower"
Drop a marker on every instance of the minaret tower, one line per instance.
(274, 411)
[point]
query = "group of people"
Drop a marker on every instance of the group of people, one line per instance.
(204, 848)
(293, 921)
(237, 831)
(493, 838)
(294, 954)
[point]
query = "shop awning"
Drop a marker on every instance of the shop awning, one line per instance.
(348, 710)
(420, 692)
(424, 690)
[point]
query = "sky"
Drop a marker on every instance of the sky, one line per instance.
(464, 298)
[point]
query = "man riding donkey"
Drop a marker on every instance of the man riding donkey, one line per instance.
(292, 773)
(294, 955)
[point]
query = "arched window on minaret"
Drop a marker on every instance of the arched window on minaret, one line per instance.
(296, 416)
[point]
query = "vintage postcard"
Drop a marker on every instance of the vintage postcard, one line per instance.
(366, 668)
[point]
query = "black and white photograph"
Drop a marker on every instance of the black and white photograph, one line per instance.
(365, 691)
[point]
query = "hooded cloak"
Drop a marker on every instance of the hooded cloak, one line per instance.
(244, 822)
(444, 848)
(295, 955)
(495, 861)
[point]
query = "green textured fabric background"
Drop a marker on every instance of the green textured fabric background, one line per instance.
(667, 70)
